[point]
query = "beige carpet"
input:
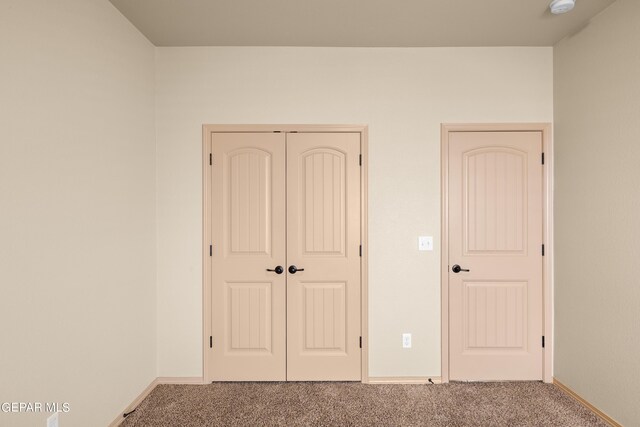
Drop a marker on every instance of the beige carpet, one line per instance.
(355, 404)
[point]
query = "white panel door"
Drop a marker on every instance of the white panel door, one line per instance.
(248, 234)
(495, 232)
(285, 288)
(323, 242)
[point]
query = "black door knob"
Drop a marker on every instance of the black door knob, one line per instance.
(457, 269)
(278, 269)
(293, 269)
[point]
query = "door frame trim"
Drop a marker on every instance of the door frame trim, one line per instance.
(547, 230)
(207, 272)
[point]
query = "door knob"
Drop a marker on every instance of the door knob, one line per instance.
(278, 269)
(457, 269)
(293, 269)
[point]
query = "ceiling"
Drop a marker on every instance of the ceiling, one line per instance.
(379, 23)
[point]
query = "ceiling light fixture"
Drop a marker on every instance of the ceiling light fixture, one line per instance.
(561, 6)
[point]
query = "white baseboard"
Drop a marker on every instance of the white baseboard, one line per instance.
(606, 418)
(180, 380)
(403, 380)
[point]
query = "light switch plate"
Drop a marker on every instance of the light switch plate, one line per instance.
(425, 243)
(406, 340)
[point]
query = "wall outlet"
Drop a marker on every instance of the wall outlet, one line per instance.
(52, 421)
(406, 340)
(425, 243)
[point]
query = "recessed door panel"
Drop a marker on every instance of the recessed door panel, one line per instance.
(249, 201)
(495, 316)
(248, 312)
(324, 208)
(495, 232)
(494, 201)
(324, 314)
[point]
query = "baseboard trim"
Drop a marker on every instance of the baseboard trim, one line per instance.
(403, 380)
(606, 418)
(160, 380)
(180, 380)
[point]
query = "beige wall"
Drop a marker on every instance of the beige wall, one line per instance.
(403, 95)
(597, 140)
(77, 208)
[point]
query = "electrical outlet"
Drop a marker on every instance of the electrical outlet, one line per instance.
(52, 421)
(406, 340)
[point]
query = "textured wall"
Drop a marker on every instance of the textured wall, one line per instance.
(597, 134)
(403, 95)
(77, 209)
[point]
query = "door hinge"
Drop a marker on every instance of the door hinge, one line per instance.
(210, 250)
(360, 342)
(210, 159)
(543, 158)
(543, 341)
(211, 342)
(543, 249)
(360, 250)
(360, 159)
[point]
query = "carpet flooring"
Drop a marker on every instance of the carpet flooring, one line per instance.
(355, 404)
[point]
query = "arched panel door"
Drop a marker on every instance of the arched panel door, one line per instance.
(285, 292)
(248, 234)
(323, 243)
(495, 256)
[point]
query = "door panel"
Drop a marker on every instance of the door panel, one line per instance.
(248, 234)
(495, 315)
(249, 316)
(494, 206)
(323, 238)
(324, 317)
(495, 231)
(324, 210)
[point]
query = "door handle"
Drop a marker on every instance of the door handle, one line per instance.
(457, 269)
(278, 269)
(293, 269)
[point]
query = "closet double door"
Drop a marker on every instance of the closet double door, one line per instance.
(285, 293)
